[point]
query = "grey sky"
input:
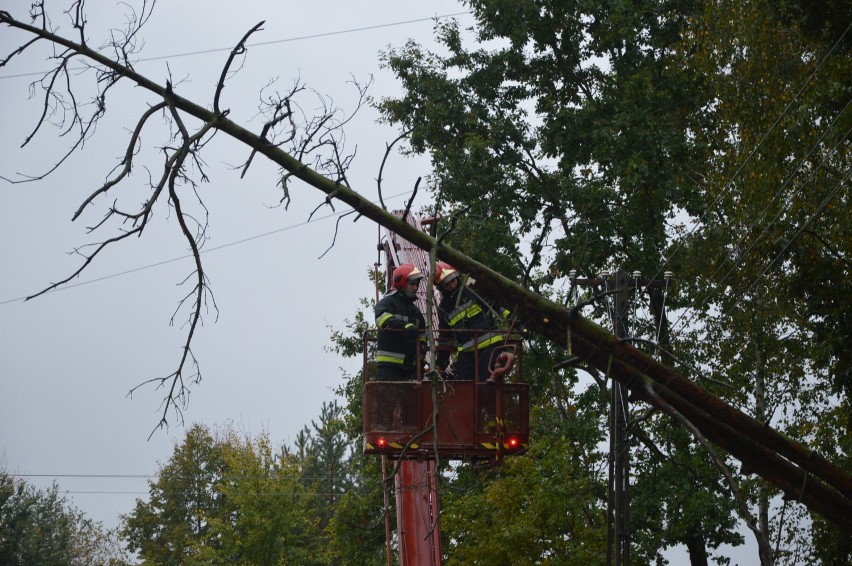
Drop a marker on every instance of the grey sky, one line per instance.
(68, 359)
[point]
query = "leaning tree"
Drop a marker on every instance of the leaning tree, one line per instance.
(309, 151)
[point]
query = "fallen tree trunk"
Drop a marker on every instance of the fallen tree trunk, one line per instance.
(799, 472)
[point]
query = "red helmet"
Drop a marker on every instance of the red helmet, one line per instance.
(444, 273)
(405, 273)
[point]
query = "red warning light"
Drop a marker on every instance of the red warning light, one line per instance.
(513, 442)
(382, 442)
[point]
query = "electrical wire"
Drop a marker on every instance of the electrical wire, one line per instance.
(666, 262)
(222, 49)
(360, 484)
(780, 191)
(662, 311)
(261, 43)
(840, 184)
(819, 209)
(171, 476)
(305, 493)
(203, 251)
(718, 286)
(729, 184)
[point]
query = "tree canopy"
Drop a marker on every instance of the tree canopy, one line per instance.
(39, 526)
(226, 497)
(704, 138)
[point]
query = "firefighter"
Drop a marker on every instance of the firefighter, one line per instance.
(400, 323)
(474, 324)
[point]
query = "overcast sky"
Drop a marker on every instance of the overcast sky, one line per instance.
(69, 358)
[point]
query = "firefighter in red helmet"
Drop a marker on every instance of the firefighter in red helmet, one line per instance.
(445, 274)
(473, 322)
(400, 325)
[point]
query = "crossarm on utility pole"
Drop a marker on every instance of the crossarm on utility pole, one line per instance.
(801, 473)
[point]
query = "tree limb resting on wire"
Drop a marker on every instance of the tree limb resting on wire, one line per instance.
(799, 472)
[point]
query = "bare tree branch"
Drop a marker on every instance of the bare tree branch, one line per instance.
(127, 161)
(318, 139)
(411, 200)
(797, 470)
(279, 109)
(388, 148)
(336, 230)
(239, 49)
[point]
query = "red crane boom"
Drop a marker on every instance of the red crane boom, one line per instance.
(413, 424)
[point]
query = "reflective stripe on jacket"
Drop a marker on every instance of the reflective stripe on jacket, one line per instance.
(393, 313)
(463, 311)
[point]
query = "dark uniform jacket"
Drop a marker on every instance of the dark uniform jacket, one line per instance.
(398, 349)
(474, 322)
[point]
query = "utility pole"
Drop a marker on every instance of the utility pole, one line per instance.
(619, 441)
(618, 285)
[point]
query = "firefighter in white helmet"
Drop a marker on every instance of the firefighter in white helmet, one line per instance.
(467, 322)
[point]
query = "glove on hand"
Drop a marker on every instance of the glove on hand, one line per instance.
(443, 360)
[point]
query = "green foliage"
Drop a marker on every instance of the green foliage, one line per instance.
(326, 465)
(222, 499)
(542, 505)
(779, 330)
(678, 496)
(40, 527)
(708, 138)
(356, 529)
(350, 343)
(173, 527)
(347, 487)
(268, 518)
(536, 134)
(356, 526)
(227, 498)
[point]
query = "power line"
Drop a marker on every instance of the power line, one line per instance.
(263, 43)
(359, 483)
(306, 493)
(739, 257)
(739, 169)
(86, 476)
(221, 49)
(226, 477)
(213, 249)
(840, 184)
